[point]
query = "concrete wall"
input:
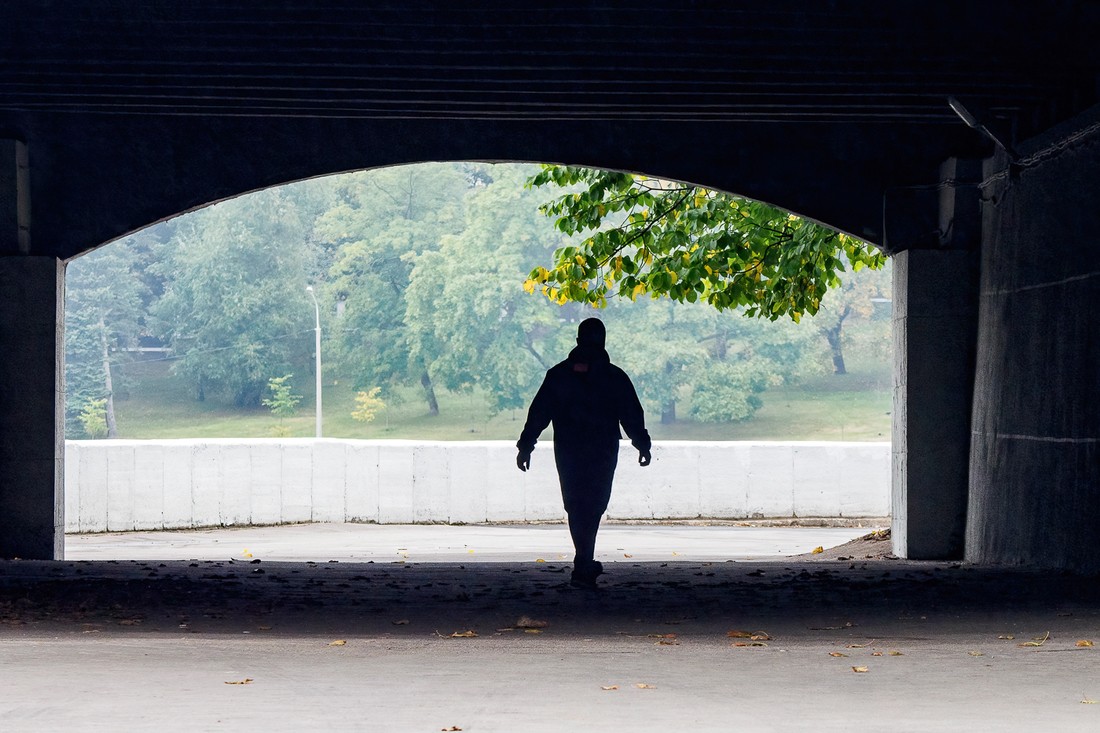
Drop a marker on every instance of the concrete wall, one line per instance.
(126, 485)
(1035, 451)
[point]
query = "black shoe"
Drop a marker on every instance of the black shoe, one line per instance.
(585, 574)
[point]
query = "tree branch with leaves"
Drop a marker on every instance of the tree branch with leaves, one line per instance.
(666, 239)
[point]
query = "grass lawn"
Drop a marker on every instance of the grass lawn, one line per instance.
(851, 407)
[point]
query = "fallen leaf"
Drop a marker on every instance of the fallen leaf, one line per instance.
(532, 631)
(760, 636)
(818, 550)
(662, 636)
(857, 646)
(452, 729)
(739, 634)
(896, 653)
(1006, 636)
(860, 669)
(246, 553)
(975, 653)
(540, 560)
(526, 622)
(749, 643)
(1038, 641)
(609, 687)
(644, 686)
(676, 554)
(402, 622)
(668, 642)
(1084, 643)
(837, 654)
(876, 654)
(627, 556)
(464, 634)
(338, 642)
(1089, 701)
(245, 681)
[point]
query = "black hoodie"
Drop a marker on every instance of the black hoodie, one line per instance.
(587, 398)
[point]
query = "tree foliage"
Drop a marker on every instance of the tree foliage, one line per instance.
(666, 239)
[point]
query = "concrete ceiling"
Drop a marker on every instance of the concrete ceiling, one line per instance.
(135, 111)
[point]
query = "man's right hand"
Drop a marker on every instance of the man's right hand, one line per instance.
(644, 458)
(523, 461)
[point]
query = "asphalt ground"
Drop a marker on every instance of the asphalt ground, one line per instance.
(846, 639)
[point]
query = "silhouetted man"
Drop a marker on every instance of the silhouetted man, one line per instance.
(587, 398)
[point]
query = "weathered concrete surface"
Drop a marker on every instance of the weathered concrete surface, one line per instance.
(32, 294)
(1035, 460)
(151, 646)
(122, 485)
(934, 334)
(443, 543)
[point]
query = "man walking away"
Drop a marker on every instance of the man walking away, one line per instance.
(587, 398)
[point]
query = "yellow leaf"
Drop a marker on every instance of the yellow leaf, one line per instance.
(818, 550)
(639, 289)
(1038, 641)
(739, 634)
(644, 686)
(760, 636)
(975, 653)
(464, 634)
(876, 654)
(609, 687)
(338, 642)
(532, 631)
(580, 260)
(246, 553)
(627, 556)
(540, 560)
(895, 653)
(860, 669)
(837, 654)
(1089, 701)
(673, 276)
(1084, 643)
(529, 286)
(245, 681)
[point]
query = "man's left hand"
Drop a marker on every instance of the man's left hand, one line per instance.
(644, 458)
(523, 461)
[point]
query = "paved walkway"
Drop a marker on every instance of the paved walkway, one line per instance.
(442, 543)
(121, 645)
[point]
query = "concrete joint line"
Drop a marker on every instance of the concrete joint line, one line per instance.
(1037, 438)
(1056, 283)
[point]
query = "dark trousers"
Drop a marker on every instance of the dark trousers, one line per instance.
(585, 473)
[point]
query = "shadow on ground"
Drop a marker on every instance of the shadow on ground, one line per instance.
(796, 596)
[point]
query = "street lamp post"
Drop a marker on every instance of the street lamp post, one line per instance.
(317, 352)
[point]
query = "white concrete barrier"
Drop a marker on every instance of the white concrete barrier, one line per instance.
(167, 484)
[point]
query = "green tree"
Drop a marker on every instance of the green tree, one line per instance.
(281, 399)
(468, 316)
(234, 308)
(103, 315)
(686, 243)
(384, 221)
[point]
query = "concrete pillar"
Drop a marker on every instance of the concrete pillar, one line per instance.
(935, 306)
(32, 440)
(1035, 451)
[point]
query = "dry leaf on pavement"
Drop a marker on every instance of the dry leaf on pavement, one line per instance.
(818, 550)
(860, 669)
(837, 654)
(464, 634)
(609, 687)
(338, 642)
(644, 686)
(975, 653)
(245, 681)
(1038, 641)
(1084, 643)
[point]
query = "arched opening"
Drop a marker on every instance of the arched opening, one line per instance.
(206, 332)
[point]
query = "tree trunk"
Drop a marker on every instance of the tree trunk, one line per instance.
(833, 337)
(429, 393)
(108, 385)
(836, 344)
